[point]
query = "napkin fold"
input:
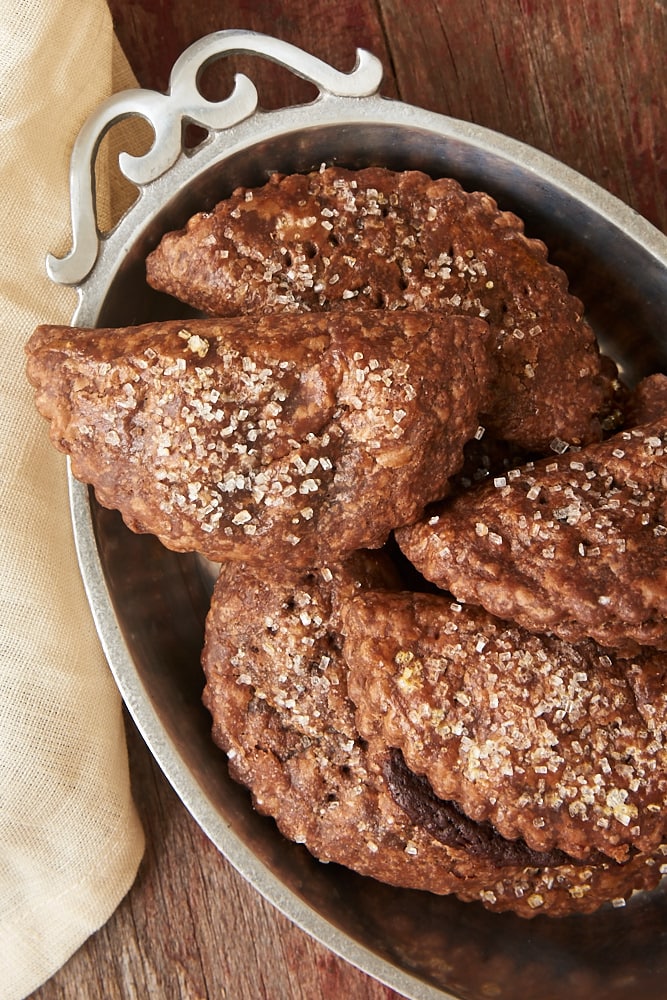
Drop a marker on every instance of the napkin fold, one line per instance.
(70, 839)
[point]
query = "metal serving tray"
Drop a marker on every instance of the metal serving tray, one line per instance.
(149, 604)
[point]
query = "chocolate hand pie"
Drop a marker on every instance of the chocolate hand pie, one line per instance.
(273, 439)
(575, 544)
(347, 240)
(547, 740)
(277, 687)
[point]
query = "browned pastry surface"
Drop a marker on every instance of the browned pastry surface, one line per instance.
(267, 439)
(647, 401)
(544, 739)
(575, 544)
(338, 239)
(277, 691)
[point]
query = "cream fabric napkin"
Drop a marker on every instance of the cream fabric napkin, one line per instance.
(70, 840)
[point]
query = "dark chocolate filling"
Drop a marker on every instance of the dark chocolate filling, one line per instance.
(445, 821)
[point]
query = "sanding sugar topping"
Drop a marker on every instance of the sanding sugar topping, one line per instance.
(548, 730)
(596, 493)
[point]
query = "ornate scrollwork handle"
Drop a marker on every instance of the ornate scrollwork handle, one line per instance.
(166, 112)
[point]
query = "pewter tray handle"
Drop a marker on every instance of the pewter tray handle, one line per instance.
(183, 102)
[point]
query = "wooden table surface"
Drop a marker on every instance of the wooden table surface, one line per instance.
(584, 80)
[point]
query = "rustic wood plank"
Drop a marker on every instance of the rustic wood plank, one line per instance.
(584, 82)
(587, 83)
(192, 928)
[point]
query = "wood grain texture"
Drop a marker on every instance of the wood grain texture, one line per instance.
(192, 928)
(584, 80)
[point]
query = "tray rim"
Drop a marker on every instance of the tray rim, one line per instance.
(327, 111)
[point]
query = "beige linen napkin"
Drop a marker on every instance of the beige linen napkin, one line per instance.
(70, 840)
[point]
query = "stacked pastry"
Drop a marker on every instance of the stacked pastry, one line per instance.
(435, 649)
